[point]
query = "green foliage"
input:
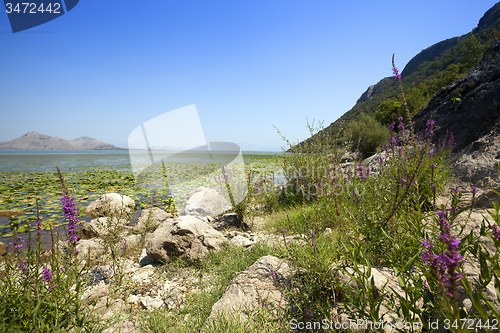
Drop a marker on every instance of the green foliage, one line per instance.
(30, 303)
(307, 164)
(471, 52)
(366, 134)
(218, 269)
(420, 85)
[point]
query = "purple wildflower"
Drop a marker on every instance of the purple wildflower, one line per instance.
(69, 209)
(47, 275)
(495, 231)
(360, 169)
(444, 266)
(395, 71)
(391, 127)
(21, 265)
(310, 313)
(473, 190)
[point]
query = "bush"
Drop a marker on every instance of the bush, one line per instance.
(366, 134)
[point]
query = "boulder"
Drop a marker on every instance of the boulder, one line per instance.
(151, 218)
(94, 294)
(206, 202)
(3, 249)
(240, 240)
(89, 247)
(186, 237)
(477, 164)
(100, 274)
(131, 241)
(111, 204)
(101, 227)
(259, 286)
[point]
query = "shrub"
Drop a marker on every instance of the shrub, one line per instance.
(366, 134)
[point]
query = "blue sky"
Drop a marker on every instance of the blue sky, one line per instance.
(106, 67)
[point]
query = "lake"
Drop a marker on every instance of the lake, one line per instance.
(26, 174)
(31, 160)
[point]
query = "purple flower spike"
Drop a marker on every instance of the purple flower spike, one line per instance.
(395, 71)
(69, 209)
(495, 231)
(47, 275)
(473, 190)
(444, 266)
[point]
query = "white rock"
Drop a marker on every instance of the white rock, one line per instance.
(241, 241)
(150, 303)
(110, 204)
(206, 202)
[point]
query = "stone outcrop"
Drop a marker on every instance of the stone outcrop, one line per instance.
(478, 165)
(151, 218)
(3, 251)
(101, 227)
(89, 248)
(259, 286)
(186, 237)
(206, 202)
(111, 204)
(469, 108)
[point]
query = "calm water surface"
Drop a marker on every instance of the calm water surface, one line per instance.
(27, 160)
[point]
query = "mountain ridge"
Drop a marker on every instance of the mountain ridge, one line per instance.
(35, 140)
(432, 69)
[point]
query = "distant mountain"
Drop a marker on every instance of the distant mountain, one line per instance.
(426, 74)
(34, 140)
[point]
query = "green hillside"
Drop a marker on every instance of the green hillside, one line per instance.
(431, 70)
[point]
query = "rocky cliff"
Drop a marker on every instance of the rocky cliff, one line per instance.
(470, 109)
(34, 140)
